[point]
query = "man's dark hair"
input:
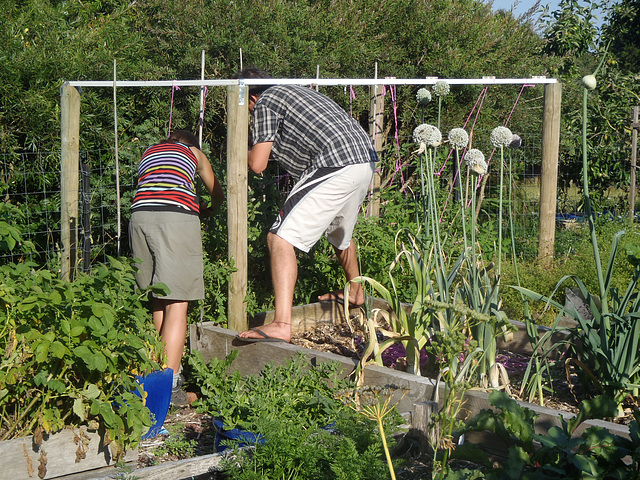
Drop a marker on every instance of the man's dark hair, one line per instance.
(254, 72)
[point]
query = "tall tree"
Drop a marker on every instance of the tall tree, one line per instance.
(573, 39)
(48, 42)
(621, 31)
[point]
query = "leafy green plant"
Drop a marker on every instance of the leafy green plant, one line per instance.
(176, 444)
(11, 236)
(349, 450)
(293, 391)
(558, 453)
(304, 430)
(70, 353)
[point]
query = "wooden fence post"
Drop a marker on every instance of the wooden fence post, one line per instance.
(424, 427)
(69, 178)
(549, 177)
(376, 125)
(237, 185)
(634, 160)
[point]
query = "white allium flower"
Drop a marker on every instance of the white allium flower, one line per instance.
(458, 137)
(589, 81)
(474, 159)
(427, 134)
(423, 96)
(441, 88)
(516, 141)
(501, 137)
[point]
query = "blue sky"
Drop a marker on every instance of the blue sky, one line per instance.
(524, 5)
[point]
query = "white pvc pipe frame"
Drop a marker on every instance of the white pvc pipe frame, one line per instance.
(488, 80)
(312, 81)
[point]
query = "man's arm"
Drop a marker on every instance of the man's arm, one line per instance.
(259, 156)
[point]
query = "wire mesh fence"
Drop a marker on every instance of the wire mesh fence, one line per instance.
(31, 181)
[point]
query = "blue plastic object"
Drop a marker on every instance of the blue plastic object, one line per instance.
(158, 387)
(244, 437)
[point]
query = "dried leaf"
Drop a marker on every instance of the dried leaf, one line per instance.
(81, 453)
(28, 459)
(37, 435)
(42, 469)
(116, 450)
(83, 445)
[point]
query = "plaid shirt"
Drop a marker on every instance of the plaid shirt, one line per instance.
(308, 130)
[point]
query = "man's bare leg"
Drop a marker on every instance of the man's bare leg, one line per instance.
(348, 259)
(284, 272)
(170, 319)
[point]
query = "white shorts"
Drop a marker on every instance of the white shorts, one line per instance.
(326, 201)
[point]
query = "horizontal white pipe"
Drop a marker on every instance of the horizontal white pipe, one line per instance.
(312, 81)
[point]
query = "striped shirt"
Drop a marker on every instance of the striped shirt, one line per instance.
(308, 130)
(166, 179)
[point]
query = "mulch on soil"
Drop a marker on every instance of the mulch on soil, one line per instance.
(566, 395)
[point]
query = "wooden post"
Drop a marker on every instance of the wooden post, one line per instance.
(549, 178)
(421, 423)
(69, 178)
(376, 125)
(237, 185)
(634, 159)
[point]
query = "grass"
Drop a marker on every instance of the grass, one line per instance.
(574, 256)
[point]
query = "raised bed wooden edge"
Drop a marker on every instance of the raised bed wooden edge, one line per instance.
(58, 456)
(213, 341)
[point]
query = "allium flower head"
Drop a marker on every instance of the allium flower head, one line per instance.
(458, 137)
(423, 96)
(589, 81)
(516, 141)
(474, 159)
(501, 137)
(441, 88)
(427, 134)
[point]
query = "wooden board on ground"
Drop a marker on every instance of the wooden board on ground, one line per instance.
(186, 469)
(59, 455)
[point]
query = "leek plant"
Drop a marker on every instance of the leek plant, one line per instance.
(605, 348)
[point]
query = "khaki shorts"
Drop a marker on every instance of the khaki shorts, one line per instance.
(170, 247)
(326, 202)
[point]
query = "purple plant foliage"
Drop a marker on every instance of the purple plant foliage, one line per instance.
(396, 357)
(513, 363)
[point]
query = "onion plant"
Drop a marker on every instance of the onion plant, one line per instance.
(501, 137)
(480, 290)
(464, 298)
(539, 366)
(440, 89)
